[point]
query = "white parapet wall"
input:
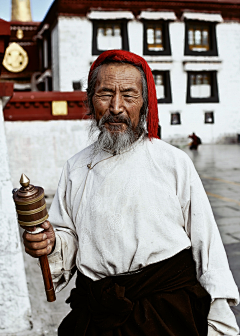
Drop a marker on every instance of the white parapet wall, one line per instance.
(15, 310)
(39, 149)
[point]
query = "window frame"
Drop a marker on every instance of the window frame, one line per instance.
(213, 49)
(205, 117)
(171, 118)
(214, 88)
(165, 35)
(124, 34)
(167, 86)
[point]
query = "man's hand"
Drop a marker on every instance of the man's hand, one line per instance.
(39, 244)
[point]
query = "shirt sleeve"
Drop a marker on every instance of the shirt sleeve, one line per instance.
(222, 319)
(63, 259)
(212, 267)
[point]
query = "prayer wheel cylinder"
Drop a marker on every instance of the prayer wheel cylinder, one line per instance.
(31, 211)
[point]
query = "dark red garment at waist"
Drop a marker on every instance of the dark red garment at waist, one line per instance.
(162, 299)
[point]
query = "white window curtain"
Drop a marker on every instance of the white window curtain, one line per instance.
(201, 91)
(109, 39)
(160, 89)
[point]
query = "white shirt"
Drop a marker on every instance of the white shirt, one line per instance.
(115, 214)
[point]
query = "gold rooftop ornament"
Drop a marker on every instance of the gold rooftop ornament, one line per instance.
(16, 58)
(19, 34)
(21, 11)
(31, 211)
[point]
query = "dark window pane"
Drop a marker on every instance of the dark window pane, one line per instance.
(154, 37)
(175, 119)
(198, 37)
(209, 118)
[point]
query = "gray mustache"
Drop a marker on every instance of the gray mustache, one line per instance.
(117, 119)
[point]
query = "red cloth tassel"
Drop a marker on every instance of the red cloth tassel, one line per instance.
(122, 55)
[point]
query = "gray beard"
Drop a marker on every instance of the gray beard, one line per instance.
(114, 142)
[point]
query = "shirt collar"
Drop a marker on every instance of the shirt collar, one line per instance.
(107, 154)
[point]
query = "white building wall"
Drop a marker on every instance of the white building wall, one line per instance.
(75, 50)
(42, 148)
(135, 36)
(75, 58)
(15, 310)
(228, 116)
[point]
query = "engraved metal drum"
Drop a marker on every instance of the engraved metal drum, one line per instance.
(30, 204)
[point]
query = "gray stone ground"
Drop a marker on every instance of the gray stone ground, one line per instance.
(219, 169)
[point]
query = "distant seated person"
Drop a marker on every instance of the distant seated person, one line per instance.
(196, 141)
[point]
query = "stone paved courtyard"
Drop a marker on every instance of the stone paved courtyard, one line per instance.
(219, 169)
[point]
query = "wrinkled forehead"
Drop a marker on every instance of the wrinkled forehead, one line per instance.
(119, 73)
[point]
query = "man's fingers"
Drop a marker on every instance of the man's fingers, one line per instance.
(37, 245)
(34, 237)
(46, 225)
(38, 253)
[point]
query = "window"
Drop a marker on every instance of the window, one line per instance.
(109, 35)
(156, 38)
(163, 86)
(77, 85)
(200, 38)
(209, 118)
(202, 87)
(175, 118)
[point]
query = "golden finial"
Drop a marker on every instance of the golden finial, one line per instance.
(24, 181)
(21, 10)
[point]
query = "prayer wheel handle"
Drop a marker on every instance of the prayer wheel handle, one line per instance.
(31, 211)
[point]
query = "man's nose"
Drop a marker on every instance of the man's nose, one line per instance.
(116, 106)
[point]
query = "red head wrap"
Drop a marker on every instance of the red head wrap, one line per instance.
(121, 56)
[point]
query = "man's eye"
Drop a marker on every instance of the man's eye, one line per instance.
(128, 96)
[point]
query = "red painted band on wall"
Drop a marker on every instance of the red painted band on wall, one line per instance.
(29, 106)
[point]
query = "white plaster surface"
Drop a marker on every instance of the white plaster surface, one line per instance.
(75, 50)
(75, 57)
(15, 311)
(39, 149)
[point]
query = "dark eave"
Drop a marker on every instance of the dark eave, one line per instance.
(230, 9)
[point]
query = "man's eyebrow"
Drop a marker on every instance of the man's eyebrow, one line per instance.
(129, 90)
(106, 89)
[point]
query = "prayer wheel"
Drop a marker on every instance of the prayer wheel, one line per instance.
(31, 211)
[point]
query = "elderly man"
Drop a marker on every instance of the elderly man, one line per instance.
(131, 215)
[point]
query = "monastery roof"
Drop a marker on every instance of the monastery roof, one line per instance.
(230, 9)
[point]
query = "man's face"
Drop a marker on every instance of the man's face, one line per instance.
(118, 96)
